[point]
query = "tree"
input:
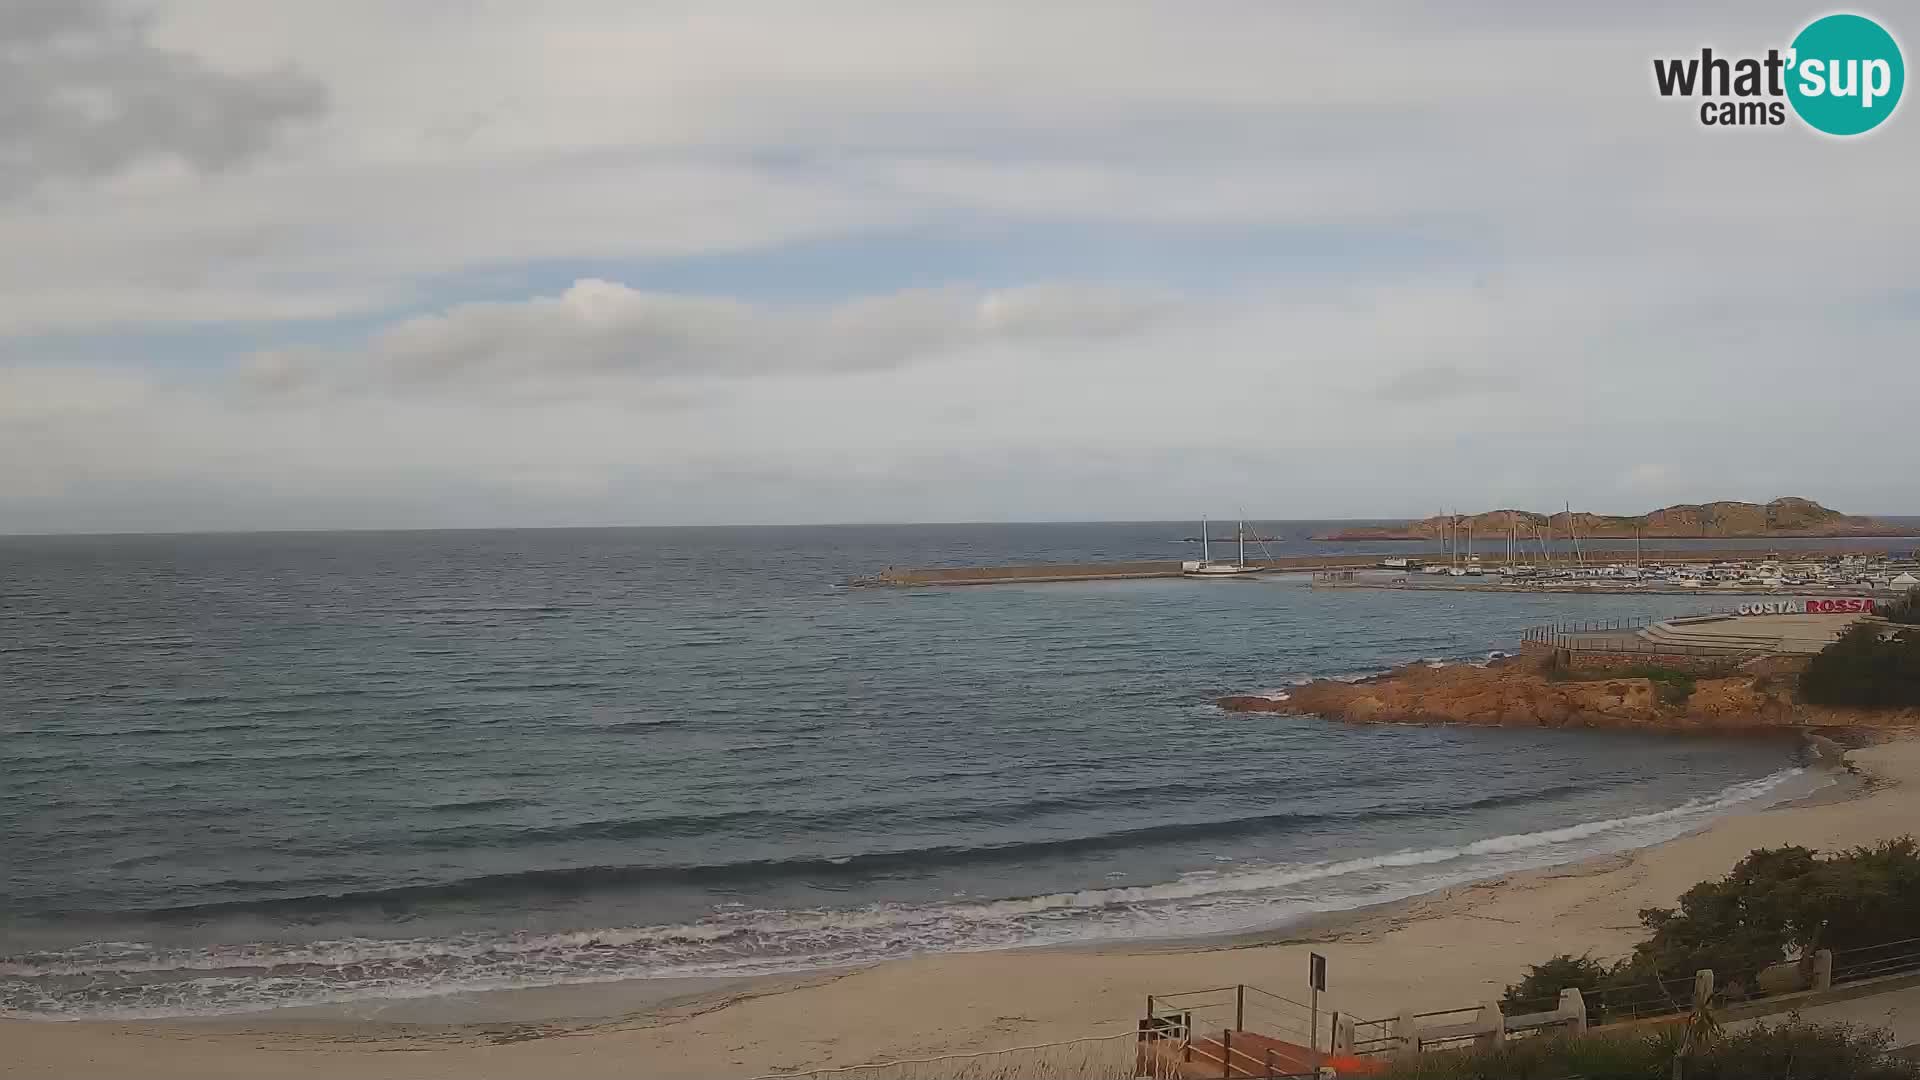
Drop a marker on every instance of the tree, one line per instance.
(1738, 924)
(1776, 903)
(1539, 990)
(1867, 896)
(1904, 610)
(1865, 668)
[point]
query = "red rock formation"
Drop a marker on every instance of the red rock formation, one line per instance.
(1518, 692)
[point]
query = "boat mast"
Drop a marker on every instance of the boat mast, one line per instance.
(1206, 546)
(1241, 533)
(1574, 531)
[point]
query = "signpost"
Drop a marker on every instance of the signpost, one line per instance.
(1317, 977)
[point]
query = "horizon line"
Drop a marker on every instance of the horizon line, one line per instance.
(371, 529)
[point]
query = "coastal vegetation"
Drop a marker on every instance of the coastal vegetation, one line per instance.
(1867, 668)
(1796, 1049)
(1905, 610)
(1672, 686)
(1776, 905)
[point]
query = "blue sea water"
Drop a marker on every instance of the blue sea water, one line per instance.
(246, 771)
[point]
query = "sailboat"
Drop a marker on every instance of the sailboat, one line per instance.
(1207, 568)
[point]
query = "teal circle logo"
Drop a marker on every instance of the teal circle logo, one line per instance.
(1845, 75)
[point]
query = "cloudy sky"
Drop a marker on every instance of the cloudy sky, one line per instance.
(292, 264)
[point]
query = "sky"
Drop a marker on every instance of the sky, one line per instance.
(464, 263)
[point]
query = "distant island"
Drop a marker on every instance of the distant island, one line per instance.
(1714, 520)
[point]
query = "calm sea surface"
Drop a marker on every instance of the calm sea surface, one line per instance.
(255, 770)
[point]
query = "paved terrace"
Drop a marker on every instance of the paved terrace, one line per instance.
(1801, 634)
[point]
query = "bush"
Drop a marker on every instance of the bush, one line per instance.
(1539, 990)
(1671, 686)
(1738, 924)
(1776, 902)
(1904, 610)
(1800, 1050)
(1794, 1049)
(1865, 669)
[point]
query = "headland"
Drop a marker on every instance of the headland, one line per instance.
(1726, 519)
(1639, 690)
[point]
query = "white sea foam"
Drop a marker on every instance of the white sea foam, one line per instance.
(133, 980)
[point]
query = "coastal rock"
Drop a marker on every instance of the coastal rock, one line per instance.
(1520, 693)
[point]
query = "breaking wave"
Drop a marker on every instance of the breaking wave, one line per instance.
(132, 979)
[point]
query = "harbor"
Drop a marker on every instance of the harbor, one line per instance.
(1838, 569)
(1842, 574)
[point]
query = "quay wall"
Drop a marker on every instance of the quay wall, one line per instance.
(1602, 660)
(1695, 663)
(1100, 571)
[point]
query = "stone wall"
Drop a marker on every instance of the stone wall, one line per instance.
(1604, 661)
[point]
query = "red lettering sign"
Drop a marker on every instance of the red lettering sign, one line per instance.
(1840, 604)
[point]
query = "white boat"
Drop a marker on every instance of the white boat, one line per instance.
(1207, 568)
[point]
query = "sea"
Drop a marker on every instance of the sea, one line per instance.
(252, 771)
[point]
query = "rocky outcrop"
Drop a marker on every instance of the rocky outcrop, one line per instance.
(1781, 517)
(1520, 692)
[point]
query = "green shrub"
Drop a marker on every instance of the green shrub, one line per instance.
(1795, 1049)
(1738, 924)
(1800, 1050)
(1539, 990)
(1904, 610)
(1865, 669)
(1672, 686)
(1776, 902)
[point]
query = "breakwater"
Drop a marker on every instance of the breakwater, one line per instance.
(1099, 571)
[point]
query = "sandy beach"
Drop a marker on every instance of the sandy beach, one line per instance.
(1444, 949)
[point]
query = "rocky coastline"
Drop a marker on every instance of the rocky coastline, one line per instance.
(1528, 691)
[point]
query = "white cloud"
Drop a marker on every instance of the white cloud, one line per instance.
(1406, 205)
(605, 329)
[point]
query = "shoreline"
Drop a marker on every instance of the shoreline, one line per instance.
(1470, 939)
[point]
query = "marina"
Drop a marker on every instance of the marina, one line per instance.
(1844, 574)
(1843, 571)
